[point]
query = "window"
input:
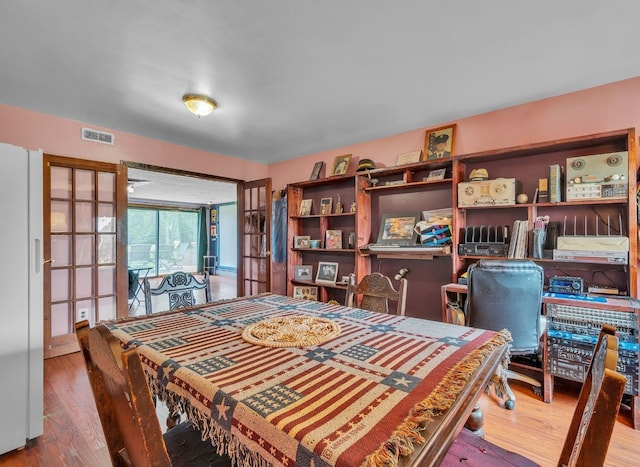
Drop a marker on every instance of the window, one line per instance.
(167, 240)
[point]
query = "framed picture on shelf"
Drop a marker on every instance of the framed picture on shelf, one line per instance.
(327, 273)
(302, 241)
(333, 239)
(303, 273)
(409, 157)
(436, 174)
(317, 168)
(341, 164)
(305, 207)
(326, 205)
(438, 142)
(306, 293)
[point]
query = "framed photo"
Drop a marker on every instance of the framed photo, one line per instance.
(327, 273)
(214, 230)
(305, 293)
(341, 164)
(302, 241)
(325, 205)
(303, 273)
(214, 216)
(409, 157)
(333, 239)
(305, 207)
(398, 228)
(436, 174)
(317, 168)
(438, 142)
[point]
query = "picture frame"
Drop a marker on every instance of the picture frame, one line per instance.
(327, 273)
(303, 272)
(409, 157)
(437, 174)
(341, 164)
(302, 241)
(317, 168)
(439, 142)
(305, 207)
(326, 205)
(398, 228)
(305, 292)
(333, 239)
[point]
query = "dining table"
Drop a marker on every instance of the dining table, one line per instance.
(276, 380)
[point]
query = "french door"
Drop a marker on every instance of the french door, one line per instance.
(85, 274)
(254, 227)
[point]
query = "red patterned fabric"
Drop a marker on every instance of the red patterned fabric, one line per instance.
(352, 400)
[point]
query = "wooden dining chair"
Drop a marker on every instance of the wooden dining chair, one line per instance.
(374, 293)
(175, 291)
(589, 433)
(127, 412)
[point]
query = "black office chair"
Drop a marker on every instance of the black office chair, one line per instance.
(507, 294)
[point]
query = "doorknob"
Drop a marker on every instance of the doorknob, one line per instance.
(45, 261)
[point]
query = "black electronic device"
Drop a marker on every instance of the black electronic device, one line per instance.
(566, 285)
(572, 332)
(482, 240)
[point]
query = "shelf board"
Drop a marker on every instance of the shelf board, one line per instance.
(313, 284)
(561, 203)
(327, 250)
(402, 186)
(545, 260)
(318, 216)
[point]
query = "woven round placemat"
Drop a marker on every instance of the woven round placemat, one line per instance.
(291, 331)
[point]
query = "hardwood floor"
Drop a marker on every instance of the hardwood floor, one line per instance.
(73, 436)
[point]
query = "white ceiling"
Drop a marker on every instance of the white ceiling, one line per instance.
(156, 187)
(296, 77)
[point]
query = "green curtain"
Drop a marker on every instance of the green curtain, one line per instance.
(203, 238)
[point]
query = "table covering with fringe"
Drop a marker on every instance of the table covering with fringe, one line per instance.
(360, 398)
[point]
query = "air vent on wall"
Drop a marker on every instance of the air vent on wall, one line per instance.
(98, 136)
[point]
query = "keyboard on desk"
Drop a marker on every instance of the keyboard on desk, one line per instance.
(412, 247)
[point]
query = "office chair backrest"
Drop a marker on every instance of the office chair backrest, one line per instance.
(175, 291)
(374, 292)
(507, 294)
(123, 399)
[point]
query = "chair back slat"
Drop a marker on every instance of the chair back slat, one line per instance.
(123, 400)
(594, 417)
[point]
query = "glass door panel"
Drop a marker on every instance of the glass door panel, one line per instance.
(256, 237)
(82, 244)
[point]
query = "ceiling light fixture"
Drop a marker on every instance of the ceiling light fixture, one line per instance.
(199, 106)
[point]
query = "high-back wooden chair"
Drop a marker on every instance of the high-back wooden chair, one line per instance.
(374, 293)
(589, 433)
(175, 291)
(127, 412)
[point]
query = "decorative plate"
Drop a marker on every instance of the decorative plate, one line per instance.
(291, 331)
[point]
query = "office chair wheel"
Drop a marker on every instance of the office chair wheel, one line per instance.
(509, 404)
(537, 390)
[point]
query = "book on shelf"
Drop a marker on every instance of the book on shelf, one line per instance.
(519, 239)
(555, 183)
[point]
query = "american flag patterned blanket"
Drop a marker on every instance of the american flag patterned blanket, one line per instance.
(360, 398)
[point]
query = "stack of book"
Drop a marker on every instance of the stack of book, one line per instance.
(519, 239)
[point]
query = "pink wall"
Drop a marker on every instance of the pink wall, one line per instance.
(60, 136)
(595, 110)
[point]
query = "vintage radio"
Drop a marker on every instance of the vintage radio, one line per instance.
(598, 176)
(498, 192)
(566, 285)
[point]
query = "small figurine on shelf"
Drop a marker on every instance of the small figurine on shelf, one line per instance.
(339, 207)
(353, 207)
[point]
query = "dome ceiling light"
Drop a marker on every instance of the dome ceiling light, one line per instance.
(198, 105)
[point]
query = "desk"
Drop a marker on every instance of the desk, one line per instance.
(332, 404)
(139, 274)
(581, 317)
